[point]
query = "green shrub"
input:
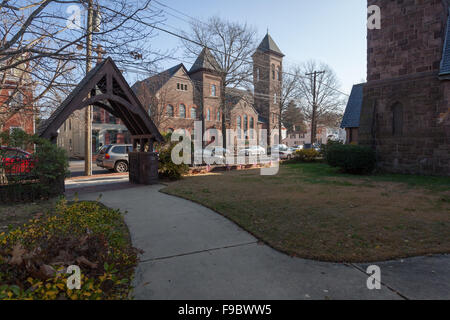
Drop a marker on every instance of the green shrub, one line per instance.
(50, 164)
(308, 155)
(352, 159)
(34, 257)
(330, 143)
(167, 169)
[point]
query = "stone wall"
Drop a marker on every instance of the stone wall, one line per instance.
(403, 67)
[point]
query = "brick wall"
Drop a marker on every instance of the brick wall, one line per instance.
(402, 73)
(24, 118)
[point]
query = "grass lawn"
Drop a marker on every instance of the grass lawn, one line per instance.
(313, 211)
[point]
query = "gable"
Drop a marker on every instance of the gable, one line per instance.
(112, 94)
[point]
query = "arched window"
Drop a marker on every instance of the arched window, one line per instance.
(245, 123)
(273, 71)
(239, 126)
(279, 73)
(208, 115)
(193, 113)
(182, 111)
(257, 74)
(213, 90)
(275, 98)
(169, 111)
(252, 127)
(397, 119)
(218, 115)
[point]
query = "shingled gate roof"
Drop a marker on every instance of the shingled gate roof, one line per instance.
(112, 94)
(268, 45)
(353, 111)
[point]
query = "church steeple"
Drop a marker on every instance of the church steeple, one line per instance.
(267, 79)
(269, 46)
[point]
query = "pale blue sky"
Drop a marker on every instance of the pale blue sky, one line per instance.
(332, 31)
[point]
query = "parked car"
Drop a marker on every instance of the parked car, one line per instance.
(214, 155)
(252, 151)
(297, 148)
(16, 161)
(283, 151)
(114, 157)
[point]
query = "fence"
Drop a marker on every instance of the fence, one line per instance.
(19, 182)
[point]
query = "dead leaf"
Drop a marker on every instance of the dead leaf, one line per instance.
(47, 271)
(83, 260)
(17, 254)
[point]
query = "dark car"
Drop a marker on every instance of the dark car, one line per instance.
(114, 157)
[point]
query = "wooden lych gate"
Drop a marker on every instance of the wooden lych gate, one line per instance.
(105, 87)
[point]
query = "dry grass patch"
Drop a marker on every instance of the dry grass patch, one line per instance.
(17, 214)
(312, 211)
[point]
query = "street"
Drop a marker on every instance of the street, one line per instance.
(76, 168)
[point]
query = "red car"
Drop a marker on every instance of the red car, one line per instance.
(15, 161)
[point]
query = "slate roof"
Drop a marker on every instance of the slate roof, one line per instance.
(205, 61)
(158, 81)
(354, 105)
(268, 45)
(234, 96)
(445, 62)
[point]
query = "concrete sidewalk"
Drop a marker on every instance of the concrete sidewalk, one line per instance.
(192, 252)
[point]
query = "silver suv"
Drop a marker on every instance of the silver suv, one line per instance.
(114, 157)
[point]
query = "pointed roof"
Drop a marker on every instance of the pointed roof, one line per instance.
(113, 94)
(156, 82)
(268, 45)
(205, 62)
(353, 110)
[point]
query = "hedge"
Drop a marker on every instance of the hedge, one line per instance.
(46, 177)
(351, 159)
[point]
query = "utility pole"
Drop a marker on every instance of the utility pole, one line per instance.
(314, 106)
(88, 111)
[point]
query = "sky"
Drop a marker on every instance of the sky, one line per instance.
(329, 31)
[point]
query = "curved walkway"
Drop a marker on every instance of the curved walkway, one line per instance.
(194, 253)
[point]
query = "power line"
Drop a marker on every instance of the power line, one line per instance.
(182, 37)
(206, 24)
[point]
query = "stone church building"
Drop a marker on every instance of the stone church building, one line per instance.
(405, 107)
(176, 97)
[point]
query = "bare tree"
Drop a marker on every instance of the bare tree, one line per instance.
(232, 45)
(155, 97)
(292, 117)
(328, 99)
(42, 43)
(290, 91)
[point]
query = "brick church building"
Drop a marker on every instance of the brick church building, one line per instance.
(16, 100)
(405, 106)
(176, 97)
